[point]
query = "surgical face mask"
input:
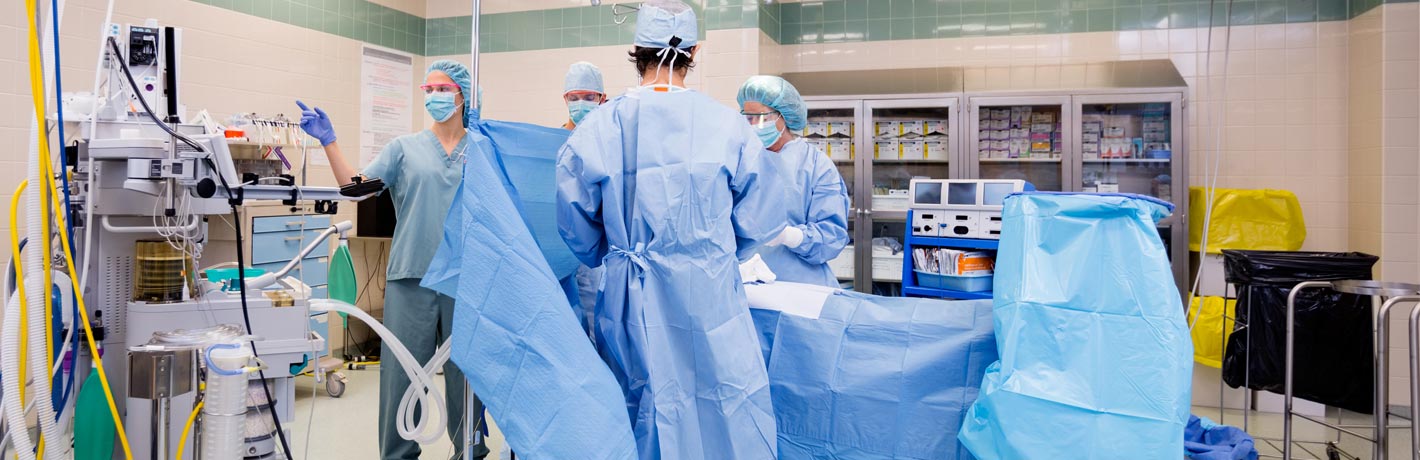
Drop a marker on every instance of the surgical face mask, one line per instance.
(439, 105)
(769, 134)
(579, 110)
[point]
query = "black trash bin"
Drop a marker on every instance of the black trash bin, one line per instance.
(1334, 351)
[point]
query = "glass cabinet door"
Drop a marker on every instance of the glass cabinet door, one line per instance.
(1133, 143)
(909, 139)
(1019, 138)
(832, 127)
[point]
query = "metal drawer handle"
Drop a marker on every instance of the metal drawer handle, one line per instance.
(292, 238)
(293, 223)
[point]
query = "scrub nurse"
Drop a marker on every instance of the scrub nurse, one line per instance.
(422, 171)
(670, 189)
(815, 197)
(584, 91)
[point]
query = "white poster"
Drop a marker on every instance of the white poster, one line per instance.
(386, 79)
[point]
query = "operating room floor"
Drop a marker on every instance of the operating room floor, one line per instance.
(1267, 430)
(345, 427)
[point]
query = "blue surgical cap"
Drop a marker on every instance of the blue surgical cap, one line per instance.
(460, 75)
(779, 95)
(661, 20)
(583, 76)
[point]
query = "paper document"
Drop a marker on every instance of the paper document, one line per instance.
(797, 299)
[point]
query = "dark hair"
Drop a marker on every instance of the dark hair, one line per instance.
(646, 60)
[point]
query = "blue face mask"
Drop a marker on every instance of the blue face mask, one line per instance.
(579, 110)
(439, 105)
(769, 134)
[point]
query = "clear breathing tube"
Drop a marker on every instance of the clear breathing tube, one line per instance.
(422, 411)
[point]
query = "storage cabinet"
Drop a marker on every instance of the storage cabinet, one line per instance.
(1124, 134)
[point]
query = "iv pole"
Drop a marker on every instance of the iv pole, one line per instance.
(472, 435)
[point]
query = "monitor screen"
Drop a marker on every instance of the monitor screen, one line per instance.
(961, 193)
(928, 193)
(994, 193)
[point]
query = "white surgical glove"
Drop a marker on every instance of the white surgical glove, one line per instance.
(755, 270)
(791, 237)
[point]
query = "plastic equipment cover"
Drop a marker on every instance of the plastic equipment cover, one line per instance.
(515, 335)
(1269, 220)
(1334, 334)
(1205, 440)
(875, 377)
(1211, 329)
(1095, 353)
(526, 161)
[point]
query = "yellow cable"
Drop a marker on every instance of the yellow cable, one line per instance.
(182, 441)
(37, 92)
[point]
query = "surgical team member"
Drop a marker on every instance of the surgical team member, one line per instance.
(813, 191)
(670, 189)
(584, 91)
(422, 171)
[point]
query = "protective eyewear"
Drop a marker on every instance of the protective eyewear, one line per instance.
(582, 96)
(759, 119)
(439, 88)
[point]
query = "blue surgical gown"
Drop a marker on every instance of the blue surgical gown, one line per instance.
(817, 203)
(670, 190)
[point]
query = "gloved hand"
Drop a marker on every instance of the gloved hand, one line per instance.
(755, 270)
(791, 237)
(317, 124)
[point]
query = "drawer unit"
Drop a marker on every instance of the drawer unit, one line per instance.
(314, 272)
(289, 223)
(283, 246)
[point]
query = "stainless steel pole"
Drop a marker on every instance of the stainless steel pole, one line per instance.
(471, 432)
(1287, 370)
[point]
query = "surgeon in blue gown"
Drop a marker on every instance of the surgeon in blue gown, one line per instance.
(669, 190)
(813, 191)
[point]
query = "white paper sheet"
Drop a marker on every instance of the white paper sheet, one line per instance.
(386, 81)
(797, 299)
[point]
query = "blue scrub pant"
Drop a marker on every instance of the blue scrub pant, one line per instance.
(421, 319)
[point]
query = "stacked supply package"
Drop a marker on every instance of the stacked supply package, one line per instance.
(834, 138)
(1018, 132)
(1156, 132)
(911, 140)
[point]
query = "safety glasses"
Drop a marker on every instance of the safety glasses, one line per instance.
(439, 88)
(758, 120)
(586, 96)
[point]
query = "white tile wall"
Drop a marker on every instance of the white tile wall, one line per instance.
(1284, 85)
(449, 8)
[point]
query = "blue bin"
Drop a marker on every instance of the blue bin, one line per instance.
(962, 283)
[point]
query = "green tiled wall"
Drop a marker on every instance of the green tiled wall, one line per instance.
(811, 21)
(569, 27)
(354, 19)
(834, 21)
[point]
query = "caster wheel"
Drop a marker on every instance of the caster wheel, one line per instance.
(334, 386)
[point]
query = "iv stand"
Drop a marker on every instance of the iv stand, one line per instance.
(472, 435)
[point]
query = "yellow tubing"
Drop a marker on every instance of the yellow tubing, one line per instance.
(182, 441)
(37, 92)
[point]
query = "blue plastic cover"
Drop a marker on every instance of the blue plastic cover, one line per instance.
(515, 336)
(1095, 352)
(525, 158)
(875, 377)
(1207, 440)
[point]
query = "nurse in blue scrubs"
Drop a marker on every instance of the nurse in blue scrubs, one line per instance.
(812, 189)
(422, 172)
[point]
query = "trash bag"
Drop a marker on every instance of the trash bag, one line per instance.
(1211, 328)
(1204, 439)
(1095, 352)
(875, 378)
(1334, 338)
(1268, 220)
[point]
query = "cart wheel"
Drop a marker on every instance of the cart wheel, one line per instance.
(335, 385)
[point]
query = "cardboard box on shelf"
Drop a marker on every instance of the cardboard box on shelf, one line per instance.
(937, 149)
(913, 149)
(840, 129)
(888, 149)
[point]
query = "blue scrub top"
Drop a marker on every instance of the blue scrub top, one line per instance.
(422, 180)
